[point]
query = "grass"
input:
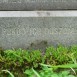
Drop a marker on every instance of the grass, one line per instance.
(47, 71)
(25, 61)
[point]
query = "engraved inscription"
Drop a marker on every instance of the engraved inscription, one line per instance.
(38, 31)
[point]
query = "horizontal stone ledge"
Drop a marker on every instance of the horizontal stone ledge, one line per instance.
(38, 13)
(37, 5)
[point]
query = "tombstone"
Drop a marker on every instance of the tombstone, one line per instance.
(37, 29)
(26, 5)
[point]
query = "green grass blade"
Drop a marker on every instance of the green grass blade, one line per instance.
(66, 66)
(62, 66)
(36, 73)
(8, 73)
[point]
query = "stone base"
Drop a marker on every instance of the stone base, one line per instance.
(37, 29)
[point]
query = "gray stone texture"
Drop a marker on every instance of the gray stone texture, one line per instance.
(38, 4)
(37, 32)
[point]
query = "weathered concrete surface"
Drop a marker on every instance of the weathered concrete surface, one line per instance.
(37, 4)
(38, 31)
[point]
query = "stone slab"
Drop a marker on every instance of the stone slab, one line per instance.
(38, 29)
(27, 5)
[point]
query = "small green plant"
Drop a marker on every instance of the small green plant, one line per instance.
(48, 71)
(73, 49)
(61, 54)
